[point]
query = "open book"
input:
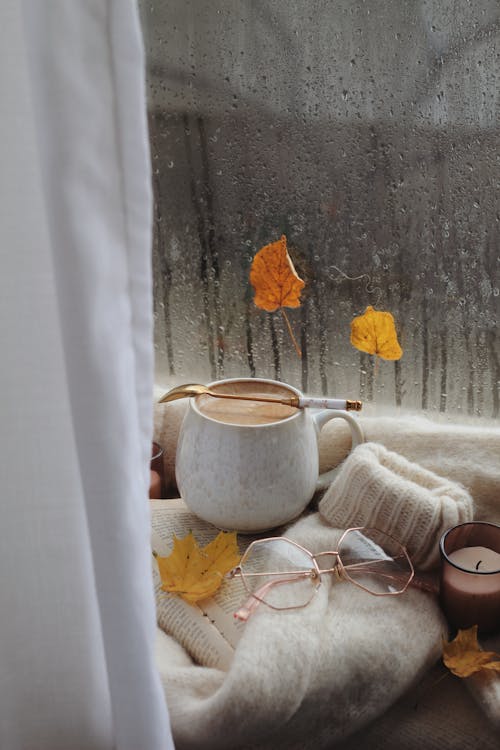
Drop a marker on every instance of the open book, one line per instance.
(207, 630)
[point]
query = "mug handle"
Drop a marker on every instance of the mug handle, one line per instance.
(320, 419)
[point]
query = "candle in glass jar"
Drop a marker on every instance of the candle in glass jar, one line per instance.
(482, 559)
(470, 576)
(155, 486)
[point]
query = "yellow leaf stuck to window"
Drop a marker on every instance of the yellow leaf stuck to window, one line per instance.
(196, 573)
(374, 332)
(273, 276)
(276, 283)
(463, 656)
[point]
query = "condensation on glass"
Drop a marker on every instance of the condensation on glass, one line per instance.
(368, 133)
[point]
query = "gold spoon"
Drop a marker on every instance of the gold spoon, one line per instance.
(299, 402)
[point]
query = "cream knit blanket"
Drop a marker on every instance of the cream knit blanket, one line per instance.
(311, 678)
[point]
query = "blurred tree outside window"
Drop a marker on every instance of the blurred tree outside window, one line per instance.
(368, 134)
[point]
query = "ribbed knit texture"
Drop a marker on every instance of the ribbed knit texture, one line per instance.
(315, 678)
(380, 488)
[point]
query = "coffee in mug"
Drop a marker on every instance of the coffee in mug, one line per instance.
(243, 412)
(250, 466)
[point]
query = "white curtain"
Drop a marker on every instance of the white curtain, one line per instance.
(76, 600)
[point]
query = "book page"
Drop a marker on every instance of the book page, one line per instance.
(220, 609)
(208, 630)
(172, 516)
(191, 628)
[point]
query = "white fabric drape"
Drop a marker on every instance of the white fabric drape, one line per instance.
(76, 600)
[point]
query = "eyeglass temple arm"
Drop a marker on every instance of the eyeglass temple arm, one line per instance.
(246, 609)
(426, 582)
(253, 601)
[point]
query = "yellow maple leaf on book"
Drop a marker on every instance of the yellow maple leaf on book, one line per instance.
(195, 573)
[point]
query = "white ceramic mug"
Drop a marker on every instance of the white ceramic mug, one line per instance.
(251, 477)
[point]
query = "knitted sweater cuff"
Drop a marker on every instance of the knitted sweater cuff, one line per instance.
(379, 488)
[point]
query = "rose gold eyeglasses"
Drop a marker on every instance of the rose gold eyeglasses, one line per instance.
(283, 575)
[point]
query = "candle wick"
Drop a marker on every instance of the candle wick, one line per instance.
(479, 563)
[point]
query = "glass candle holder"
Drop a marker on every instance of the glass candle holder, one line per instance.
(470, 576)
(157, 486)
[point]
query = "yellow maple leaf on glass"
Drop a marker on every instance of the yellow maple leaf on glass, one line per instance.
(463, 655)
(273, 276)
(195, 573)
(276, 283)
(374, 332)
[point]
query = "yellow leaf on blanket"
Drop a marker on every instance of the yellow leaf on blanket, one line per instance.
(195, 573)
(463, 655)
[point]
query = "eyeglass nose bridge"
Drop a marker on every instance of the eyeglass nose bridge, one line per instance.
(337, 566)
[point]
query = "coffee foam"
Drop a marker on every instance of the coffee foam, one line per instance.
(232, 411)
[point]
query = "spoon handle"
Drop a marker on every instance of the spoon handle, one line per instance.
(330, 403)
(299, 403)
(190, 390)
(294, 401)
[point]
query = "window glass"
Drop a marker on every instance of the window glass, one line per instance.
(368, 134)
